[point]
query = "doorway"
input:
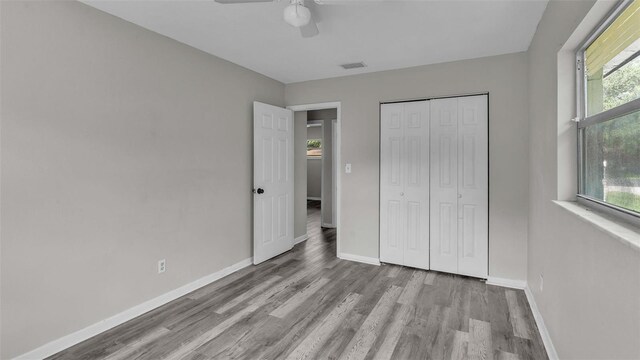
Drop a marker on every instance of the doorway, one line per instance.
(317, 179)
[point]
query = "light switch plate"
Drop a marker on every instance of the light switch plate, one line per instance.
(347, 168)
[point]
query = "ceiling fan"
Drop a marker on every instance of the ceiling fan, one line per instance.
(296, 14)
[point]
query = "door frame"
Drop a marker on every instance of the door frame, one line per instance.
(338, 106)
(331, 224)
(320, 124)
(334, 171)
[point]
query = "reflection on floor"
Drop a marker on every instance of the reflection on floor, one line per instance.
(314, 228)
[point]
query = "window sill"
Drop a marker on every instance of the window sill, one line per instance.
(623, 231)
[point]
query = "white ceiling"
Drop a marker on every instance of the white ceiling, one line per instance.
(383, 34)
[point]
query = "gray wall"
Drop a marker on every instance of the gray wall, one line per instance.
(314, 132)
(120, 147)
(314, 165)
(314, 178)
(590, 300)
(505, 77)
(324, 114)
(300, 173)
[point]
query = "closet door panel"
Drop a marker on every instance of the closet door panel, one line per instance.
(392, 178)
(473, 175)
(444, 185)
(416, 190)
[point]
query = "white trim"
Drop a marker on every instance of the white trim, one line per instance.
(322, 172)
(314, 198)
(508, 283)
(300, 239)
(627, 233)
(318, 106)
(338, 157)
(329, 226)
(319, 123)
(67, 341)
(338, 106)
(358, 258)
(544, 333)
(334, 170)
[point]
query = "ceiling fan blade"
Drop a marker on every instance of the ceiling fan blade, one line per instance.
(309, 30)
(313, 7)
(240, 1)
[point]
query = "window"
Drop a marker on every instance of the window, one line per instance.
(314, 148)
(609, 112)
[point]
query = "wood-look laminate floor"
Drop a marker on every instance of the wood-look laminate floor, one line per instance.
(306, 304)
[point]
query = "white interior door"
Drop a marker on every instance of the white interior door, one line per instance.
(460, 185)
(272, 181)
(473, 186)
(404, 184)
(392, 172)
(444, 185)
(416, 184)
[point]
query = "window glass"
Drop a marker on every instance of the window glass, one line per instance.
(612, 161)
(314, 147)
(612, 65)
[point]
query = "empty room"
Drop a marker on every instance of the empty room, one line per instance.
(319, 179)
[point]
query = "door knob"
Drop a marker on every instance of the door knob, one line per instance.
(260, 191)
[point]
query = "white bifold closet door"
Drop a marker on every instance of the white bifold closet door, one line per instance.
(459, 224)
(404, 184)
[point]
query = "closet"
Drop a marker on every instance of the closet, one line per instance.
(434, 184)
(404, 184)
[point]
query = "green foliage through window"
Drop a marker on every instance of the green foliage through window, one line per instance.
(611, 146)
(314, 147)
(622, 85)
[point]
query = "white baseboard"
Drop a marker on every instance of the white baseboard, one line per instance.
(544, 333)
(358, 258)
(314, 198)
(522, 285)
(328, 226)
(300, 239)
(513, 284)
(67, 341)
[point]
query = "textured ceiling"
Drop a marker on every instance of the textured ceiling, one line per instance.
(383, 34)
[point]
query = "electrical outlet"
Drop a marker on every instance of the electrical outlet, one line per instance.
(162, 266)
(541, 282)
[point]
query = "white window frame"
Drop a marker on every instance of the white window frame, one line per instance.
(584, 121)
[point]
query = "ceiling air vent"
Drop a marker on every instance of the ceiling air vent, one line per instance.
(353, 65)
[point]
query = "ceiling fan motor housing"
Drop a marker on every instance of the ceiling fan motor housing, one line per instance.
(296, 14)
